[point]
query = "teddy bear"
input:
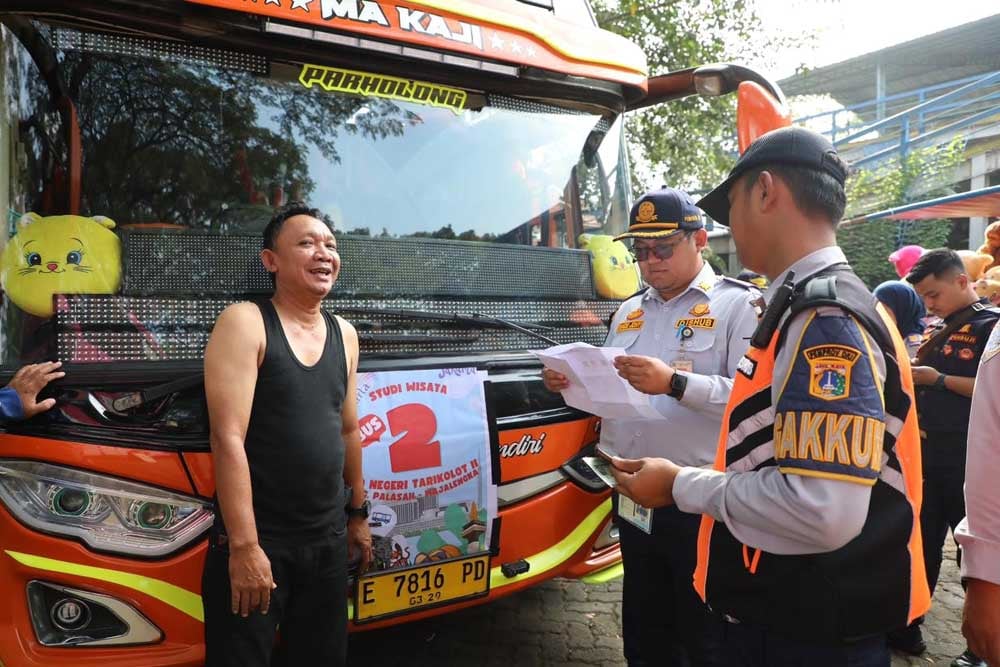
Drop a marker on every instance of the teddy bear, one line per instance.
(988, 288)
(991, 246)
(988, 285)
(62, 254)
(976, 263)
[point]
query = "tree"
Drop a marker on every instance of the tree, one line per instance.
(689, 143)
(920, 174)
(183, 143)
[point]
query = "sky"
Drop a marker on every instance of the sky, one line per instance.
(843, 29)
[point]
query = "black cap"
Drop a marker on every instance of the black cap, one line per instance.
(796, 146)
(661, 213)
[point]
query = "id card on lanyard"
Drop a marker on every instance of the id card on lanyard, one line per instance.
(682, 362)
(637, 515)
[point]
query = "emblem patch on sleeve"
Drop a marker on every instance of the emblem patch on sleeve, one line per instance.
(830, 370)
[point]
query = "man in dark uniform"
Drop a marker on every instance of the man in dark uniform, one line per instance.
(945, 374)
(280, 380)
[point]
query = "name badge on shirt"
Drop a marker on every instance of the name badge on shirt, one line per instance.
(634, 325)
(683, 365)
(637, 515)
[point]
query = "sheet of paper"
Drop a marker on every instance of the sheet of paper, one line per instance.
(594, 384)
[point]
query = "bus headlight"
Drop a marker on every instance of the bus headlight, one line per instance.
(106, 513)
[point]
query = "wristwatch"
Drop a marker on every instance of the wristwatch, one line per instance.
(678, 383)
(360, 512)
(939, 382)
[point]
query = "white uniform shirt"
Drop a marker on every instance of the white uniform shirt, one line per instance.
(721, 318)
(979, 531)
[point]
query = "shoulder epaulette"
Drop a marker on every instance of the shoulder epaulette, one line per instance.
(820, 291)
(986, 308)
(742, 283)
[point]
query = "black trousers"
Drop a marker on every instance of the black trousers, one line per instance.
(664, 622)
(753, 646)
(309, 608)
(944, 497)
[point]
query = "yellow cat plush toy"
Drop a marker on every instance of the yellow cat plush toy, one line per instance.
(616, 275)
(62, 254)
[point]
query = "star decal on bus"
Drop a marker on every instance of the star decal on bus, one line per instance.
(301, 4)
(273, 2)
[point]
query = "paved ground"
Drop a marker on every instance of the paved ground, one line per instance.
(564, 623)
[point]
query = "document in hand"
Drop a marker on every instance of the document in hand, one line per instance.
(594, 384)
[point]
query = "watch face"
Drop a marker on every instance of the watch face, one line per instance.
(362, 512)
(678, 383)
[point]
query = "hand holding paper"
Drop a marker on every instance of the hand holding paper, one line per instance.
(594, 385)
(647, 374)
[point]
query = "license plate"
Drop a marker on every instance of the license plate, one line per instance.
(410, 589)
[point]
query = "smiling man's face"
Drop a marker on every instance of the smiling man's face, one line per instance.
(304, 256)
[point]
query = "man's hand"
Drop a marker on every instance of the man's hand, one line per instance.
(250, 579)
(981, 620)
(554, 381)
(647, 374)
(649, 481)
(30, 380)
(924, 375)
(359, 540)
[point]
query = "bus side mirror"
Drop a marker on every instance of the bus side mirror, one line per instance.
(757, 112)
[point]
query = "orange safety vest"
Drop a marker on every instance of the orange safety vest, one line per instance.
(876, 582)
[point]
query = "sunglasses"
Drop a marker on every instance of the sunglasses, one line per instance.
(661, 250)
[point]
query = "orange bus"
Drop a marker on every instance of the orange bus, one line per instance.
(472, 156)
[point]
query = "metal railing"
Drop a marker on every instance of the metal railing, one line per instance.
(925, 117)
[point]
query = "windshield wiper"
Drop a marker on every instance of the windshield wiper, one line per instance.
(475, 319)
(137, 399)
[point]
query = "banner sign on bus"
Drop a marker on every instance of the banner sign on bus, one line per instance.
(486, 30)
(427, 464)
(336, 79)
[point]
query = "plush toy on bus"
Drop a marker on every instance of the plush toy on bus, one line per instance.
(975, 263)
(614, 270)
(62, 254)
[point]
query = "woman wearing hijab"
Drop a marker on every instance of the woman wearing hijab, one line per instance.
(906, 308)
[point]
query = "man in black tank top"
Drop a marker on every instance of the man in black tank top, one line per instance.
(280, 379)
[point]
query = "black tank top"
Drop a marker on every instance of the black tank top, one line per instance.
(293, 442)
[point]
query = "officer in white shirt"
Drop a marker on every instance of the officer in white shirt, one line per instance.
(684, 335)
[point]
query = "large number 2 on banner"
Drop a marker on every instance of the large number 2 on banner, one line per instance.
(414, 451)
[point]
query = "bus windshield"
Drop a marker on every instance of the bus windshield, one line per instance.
(183, 154)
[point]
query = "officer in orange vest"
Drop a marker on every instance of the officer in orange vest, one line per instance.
(810, 541)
